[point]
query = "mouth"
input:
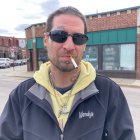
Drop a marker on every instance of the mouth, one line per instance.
(70, 60)
(66, 58)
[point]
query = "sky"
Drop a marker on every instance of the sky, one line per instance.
(17, 15)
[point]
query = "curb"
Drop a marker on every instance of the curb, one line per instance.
(21, 76)
(128, 85)
(134, 83)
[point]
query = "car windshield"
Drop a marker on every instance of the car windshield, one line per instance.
(2, 59)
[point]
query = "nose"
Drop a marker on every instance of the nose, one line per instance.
(69, 44)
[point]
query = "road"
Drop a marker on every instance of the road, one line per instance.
(133, 97)
(7, 84)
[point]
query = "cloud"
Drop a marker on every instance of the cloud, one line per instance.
(3, 31)
(16, 15)
(49, 6)
(22, 27)
(92, 6)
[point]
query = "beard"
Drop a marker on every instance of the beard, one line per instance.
(63, 66)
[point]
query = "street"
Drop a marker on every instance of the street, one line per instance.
(133, 97)
(8, 83)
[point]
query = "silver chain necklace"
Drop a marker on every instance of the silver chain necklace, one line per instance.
(63, 105)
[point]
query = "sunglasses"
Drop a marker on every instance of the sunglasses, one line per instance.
(61, 36)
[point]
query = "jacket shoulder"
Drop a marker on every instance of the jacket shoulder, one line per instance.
(109, 91)
(25, 85)
(102, 80)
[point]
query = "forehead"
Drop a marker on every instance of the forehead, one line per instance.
(68, 22)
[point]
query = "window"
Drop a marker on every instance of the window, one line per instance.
(91, 55)
(119, 57)
(42, 55)
(127, 57)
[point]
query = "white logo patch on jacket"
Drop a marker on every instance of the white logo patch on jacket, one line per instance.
(86, 115)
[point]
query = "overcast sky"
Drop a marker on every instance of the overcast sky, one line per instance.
(16, 15)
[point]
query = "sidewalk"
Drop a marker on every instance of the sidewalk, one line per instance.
(21, 71)
(127, 82)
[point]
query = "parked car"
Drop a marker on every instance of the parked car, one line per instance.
(24, 61)
(18, 62)
(4, 62)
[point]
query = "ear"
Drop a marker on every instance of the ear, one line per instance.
(45, 39)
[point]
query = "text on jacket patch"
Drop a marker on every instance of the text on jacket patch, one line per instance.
(86, 115)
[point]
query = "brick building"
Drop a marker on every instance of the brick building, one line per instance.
(9, 47)
(113, 46)
(35, 47)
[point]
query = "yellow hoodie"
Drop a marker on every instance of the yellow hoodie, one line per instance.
(87, 75)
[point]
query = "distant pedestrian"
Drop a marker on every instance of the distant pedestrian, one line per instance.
(13, 64)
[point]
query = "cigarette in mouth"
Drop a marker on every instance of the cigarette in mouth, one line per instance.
(73, 62)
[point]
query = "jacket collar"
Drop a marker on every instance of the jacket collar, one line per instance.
(41, 93)
(87, 92)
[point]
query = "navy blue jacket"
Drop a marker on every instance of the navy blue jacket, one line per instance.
(99, 112)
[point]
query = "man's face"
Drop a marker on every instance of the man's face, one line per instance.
(59, 53)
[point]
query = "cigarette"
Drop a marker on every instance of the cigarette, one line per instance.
(73, 62)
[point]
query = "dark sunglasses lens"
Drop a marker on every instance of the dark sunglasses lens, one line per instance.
(58, 36)
(79, 39)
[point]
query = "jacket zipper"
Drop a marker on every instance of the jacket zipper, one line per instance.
(62, 137)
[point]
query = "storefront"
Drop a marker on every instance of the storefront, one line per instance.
(113, 52)
(113, 46)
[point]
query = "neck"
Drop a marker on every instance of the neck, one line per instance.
(64, 79)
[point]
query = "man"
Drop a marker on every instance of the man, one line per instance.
(66, 99)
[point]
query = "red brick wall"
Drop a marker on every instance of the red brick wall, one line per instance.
(113, 21)
(28, 33)
(8, 41)
(39, 31)
(138, 57)
(34, 57)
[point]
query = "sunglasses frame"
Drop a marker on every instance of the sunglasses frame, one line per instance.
(60, 36)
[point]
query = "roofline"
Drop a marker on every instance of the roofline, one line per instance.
(119, 10)
(7, 37)
(35, 25)
(101, 13)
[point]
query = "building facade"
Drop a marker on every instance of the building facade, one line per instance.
(36, 51)
(10, 48)
(113, 46)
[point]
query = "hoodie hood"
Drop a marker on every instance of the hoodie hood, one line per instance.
(87, 75)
